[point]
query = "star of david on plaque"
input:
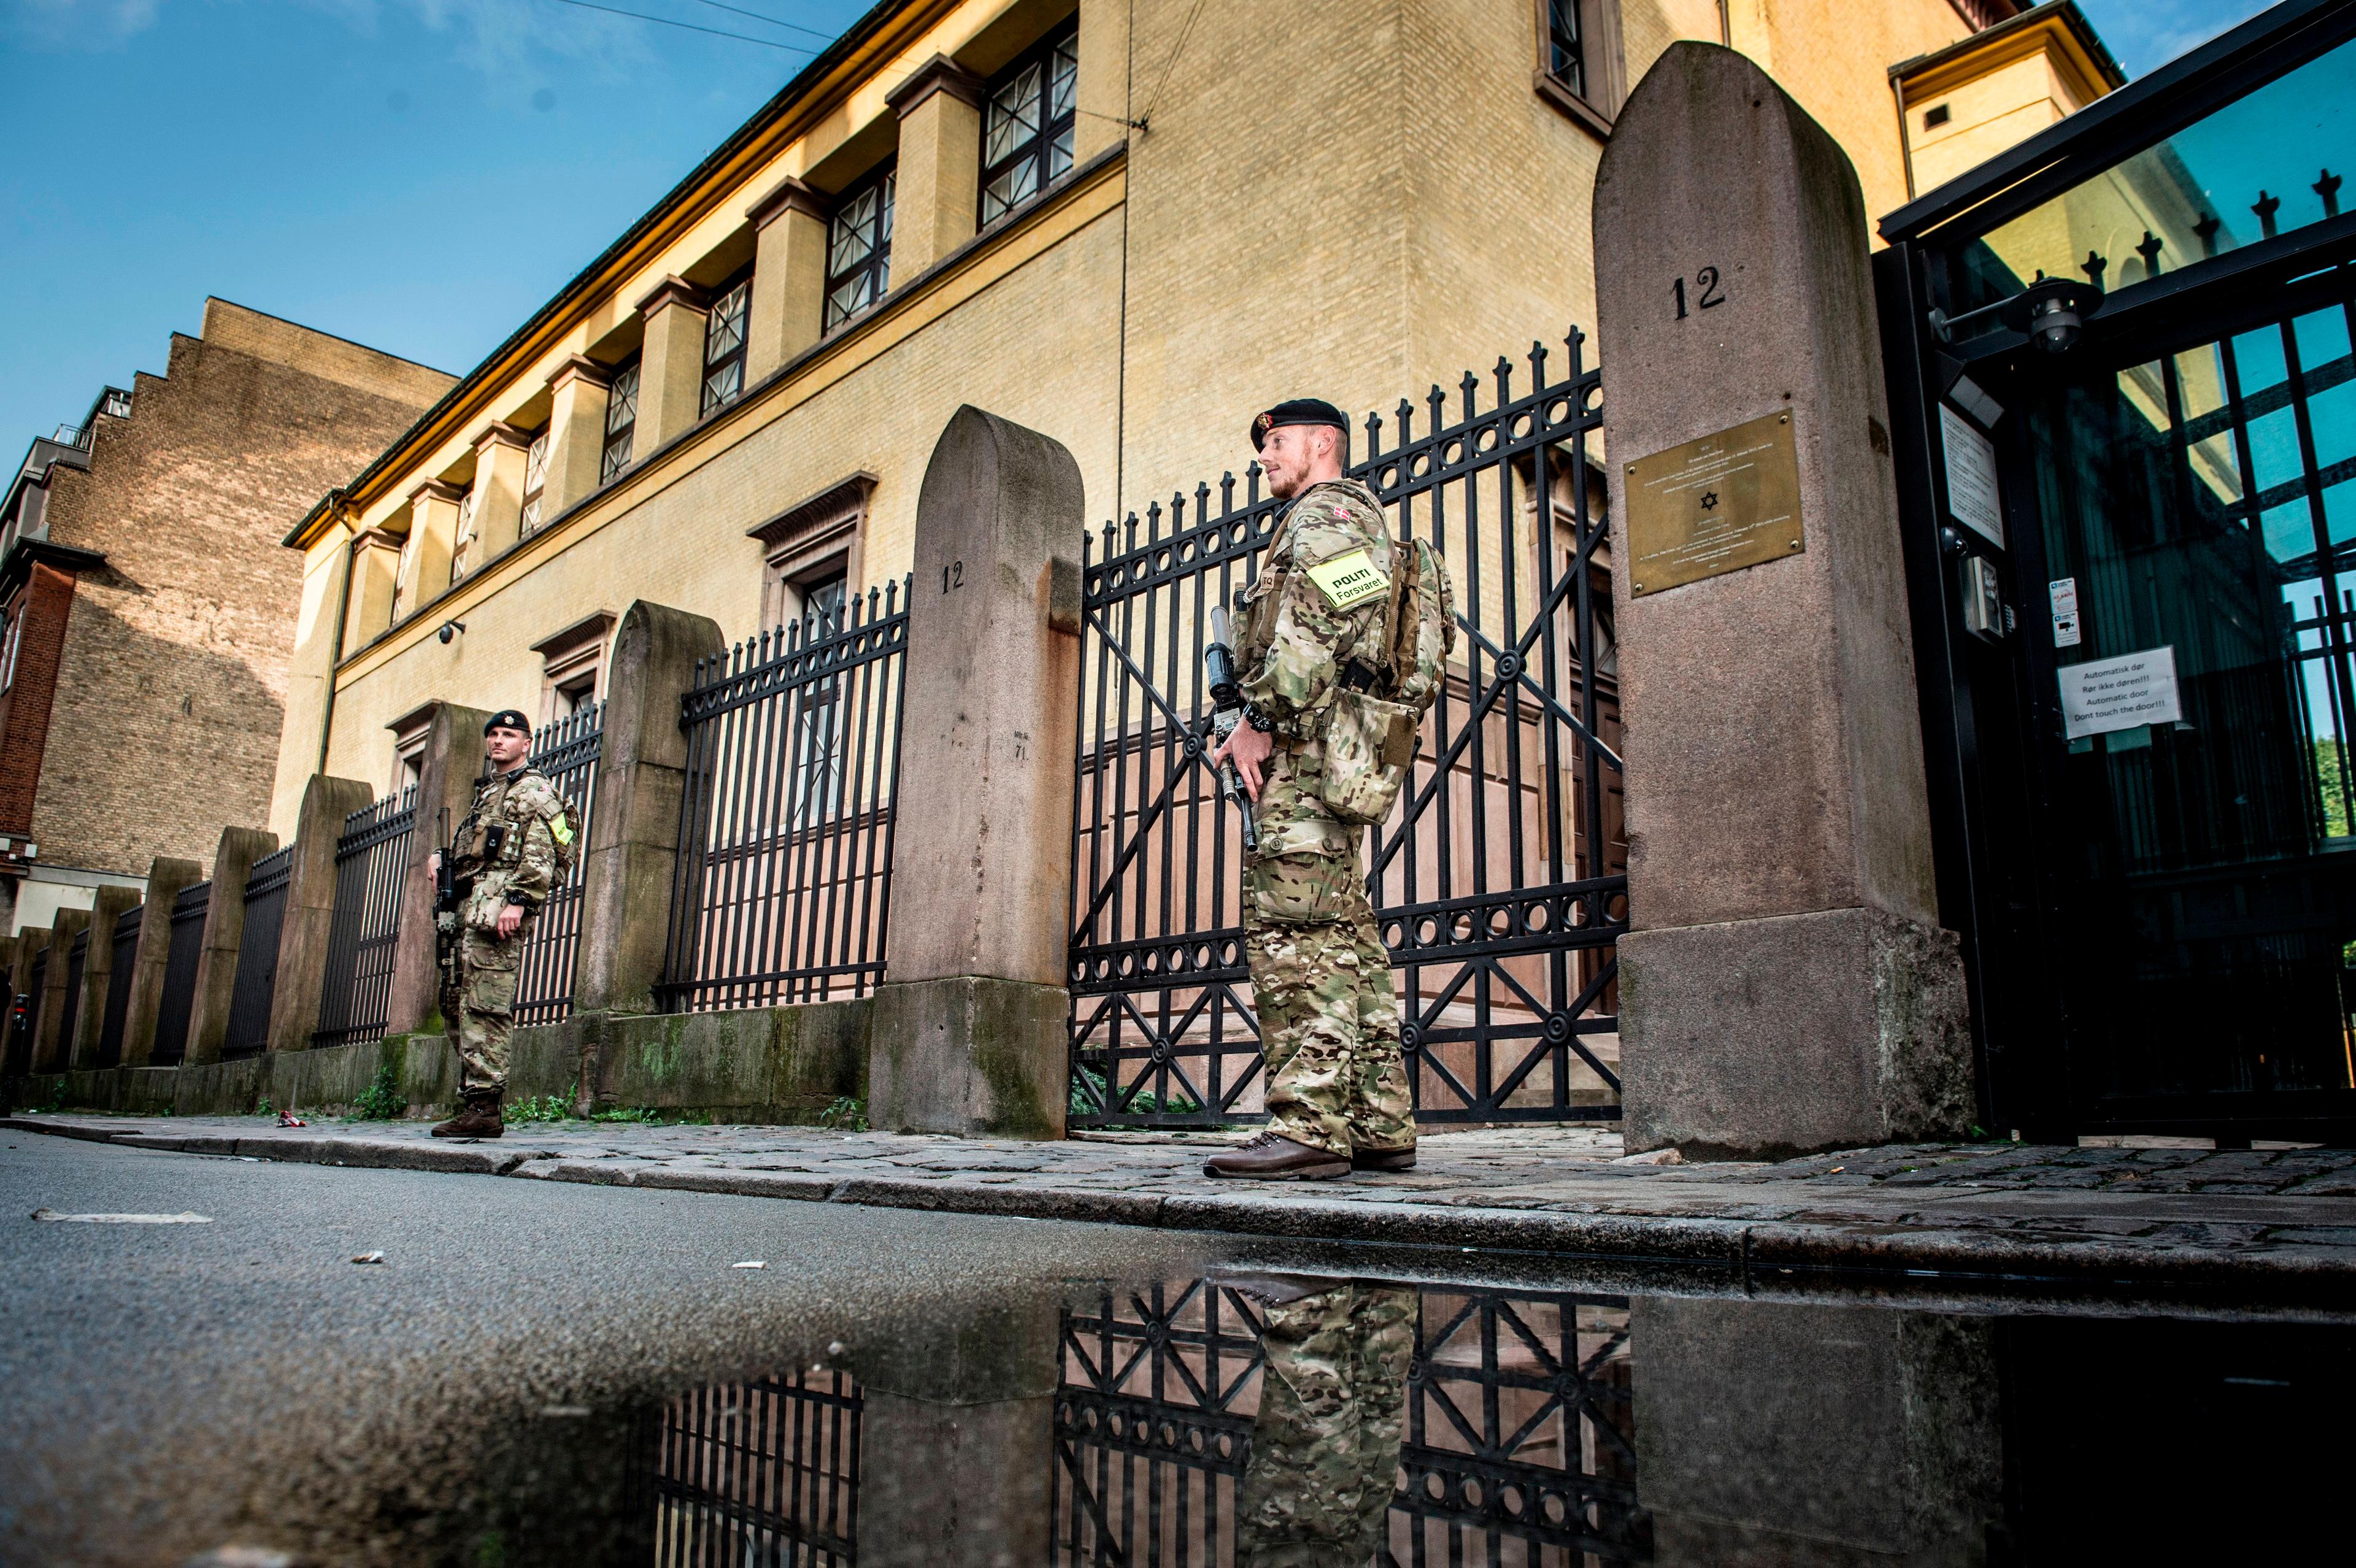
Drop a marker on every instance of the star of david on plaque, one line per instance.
(1709, 501)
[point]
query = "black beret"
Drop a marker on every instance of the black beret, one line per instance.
(507, 719)
(1297, 410)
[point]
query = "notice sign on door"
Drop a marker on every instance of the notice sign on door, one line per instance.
(1972, 498)
(2121, 693)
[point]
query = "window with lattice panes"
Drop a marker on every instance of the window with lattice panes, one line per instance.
(621, 420)
(535, 483)
(723, 344)
(859, 248)
(461, 552)
(1026, 134)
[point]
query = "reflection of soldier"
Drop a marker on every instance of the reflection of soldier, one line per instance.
(1337, 1089)
(508, 854)
(1325, 1446)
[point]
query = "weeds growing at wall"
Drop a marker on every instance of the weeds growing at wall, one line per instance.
(847, 1115)
(382, 1101)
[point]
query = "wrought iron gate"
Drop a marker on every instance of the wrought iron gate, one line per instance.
(188, 912)
(1500, 880)
(120, 978)
(255, 986)
(784, 887)
(568, 751)
(1517, 1442)
(371, 867)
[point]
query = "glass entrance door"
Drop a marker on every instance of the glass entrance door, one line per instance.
(2189, 637)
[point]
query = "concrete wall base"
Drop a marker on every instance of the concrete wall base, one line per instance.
(1764, 1039)
(769, 1066)
(970, 1055)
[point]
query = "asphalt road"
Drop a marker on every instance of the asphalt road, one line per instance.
(172, 1389)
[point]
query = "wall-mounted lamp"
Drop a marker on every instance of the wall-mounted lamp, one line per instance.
(449, 630)
(2050, 312)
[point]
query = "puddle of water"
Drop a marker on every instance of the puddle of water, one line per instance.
(1301, 1420)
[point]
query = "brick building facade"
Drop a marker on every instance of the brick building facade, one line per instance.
(148, 609)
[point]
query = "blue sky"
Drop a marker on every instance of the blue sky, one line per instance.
(417, 174)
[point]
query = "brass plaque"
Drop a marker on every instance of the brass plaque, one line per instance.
(1715, 505)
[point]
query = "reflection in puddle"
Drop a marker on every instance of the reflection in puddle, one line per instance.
(1299, 1422)
(758, 1473)
(1289, 1420)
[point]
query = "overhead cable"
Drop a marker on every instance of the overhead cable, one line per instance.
(1175, 50)
(689, 26)
(774, 22)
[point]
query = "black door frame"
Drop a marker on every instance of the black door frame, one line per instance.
(1988, 710)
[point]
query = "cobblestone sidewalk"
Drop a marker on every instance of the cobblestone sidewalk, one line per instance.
(2153, 1215)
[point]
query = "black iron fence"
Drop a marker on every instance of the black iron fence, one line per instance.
(28, 1025)
(120, 977)
(567, 750)
(257, 954)
(1502, 1425)
(762, 1473)
(783, 892)
(178, 1001)
(371, 867)
(1500, 880)
(77, 965)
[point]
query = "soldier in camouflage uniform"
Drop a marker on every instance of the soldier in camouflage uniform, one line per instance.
(507, 853)
(1337, 1088)
(1325, 1444)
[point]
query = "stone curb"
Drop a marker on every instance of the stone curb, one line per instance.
(1752, 1246)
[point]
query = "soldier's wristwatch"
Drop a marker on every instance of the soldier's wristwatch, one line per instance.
(1258, 720)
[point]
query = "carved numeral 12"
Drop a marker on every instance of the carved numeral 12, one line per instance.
(953, 576)
(1706, 283)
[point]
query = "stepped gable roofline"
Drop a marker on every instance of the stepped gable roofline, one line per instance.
(840, 69)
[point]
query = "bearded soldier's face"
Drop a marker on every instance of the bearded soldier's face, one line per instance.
(1292, 455)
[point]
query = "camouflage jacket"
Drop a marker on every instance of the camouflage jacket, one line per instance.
(507, 846)
(1312, 610)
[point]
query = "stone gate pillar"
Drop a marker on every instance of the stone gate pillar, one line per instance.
(167, 877)
(1786, 985)
(971, 1026)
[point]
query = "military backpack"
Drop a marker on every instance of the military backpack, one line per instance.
(1376, 724)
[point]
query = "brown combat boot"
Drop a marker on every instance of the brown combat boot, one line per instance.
(480, 1119)
(1382, 1158)
(1271, 1156)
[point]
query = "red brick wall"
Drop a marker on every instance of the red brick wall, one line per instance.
(46, 604)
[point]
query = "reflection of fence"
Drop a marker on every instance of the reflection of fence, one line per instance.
(372, 866)
(257, 954)
(178, 1001)
(783, 892)
(1500, 880)
(77, 965)
(761, 1473)
(124, 960)
(1517, 1438)
(567, 751)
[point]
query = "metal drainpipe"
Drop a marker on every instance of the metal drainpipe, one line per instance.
(335, 502)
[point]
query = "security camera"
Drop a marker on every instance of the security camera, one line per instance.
(449, 630)
(2050, 312)
(2054, 324)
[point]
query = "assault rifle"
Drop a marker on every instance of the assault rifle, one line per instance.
(1226, 712)
(447, 896)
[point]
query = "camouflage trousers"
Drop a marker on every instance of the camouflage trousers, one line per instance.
(1329, 1026)
(1326, 1445)
(479, 1014)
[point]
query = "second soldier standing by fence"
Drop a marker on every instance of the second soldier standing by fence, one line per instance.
(517, 842)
